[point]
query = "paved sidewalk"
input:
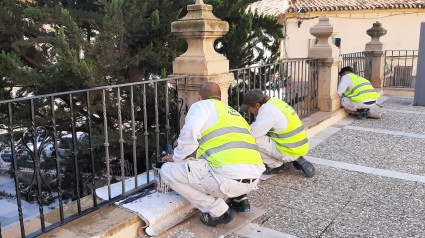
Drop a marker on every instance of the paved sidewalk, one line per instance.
(370, 181)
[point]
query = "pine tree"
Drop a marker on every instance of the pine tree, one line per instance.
(252, 38)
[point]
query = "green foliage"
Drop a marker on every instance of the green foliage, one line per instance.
(252, 38)
(51, 46)
(80, 44)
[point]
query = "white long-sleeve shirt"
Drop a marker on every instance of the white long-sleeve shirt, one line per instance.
(345, 85)
(201, 116)
(269, 116)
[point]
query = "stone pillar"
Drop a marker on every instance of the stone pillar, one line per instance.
(327, 53)
(377, 50)
(200, 28)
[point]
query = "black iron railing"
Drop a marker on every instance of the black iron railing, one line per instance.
(86, 148)
(294, 81)
(361, 62)
(400, 68)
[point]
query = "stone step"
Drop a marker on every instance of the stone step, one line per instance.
(110, 221)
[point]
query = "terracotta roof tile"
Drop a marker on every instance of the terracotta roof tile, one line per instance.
(277, 7)
(344, 5)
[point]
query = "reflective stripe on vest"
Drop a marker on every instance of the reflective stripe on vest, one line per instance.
(229, 140)
(293, 140)
(361, 90)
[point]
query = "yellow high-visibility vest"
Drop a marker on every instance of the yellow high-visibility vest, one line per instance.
(293, 140)
(362, 89)
(228, 141)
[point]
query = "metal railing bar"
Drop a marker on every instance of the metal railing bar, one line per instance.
(413, 65)
(185, 96)
(133, 134)
(90, 89)
(15, 171)
(145, 125)
(121, 140)
(167, 119)
(156, 121)
(58, 170)
(106, 144)
(93, 171)
(36, 161)
(74, 151)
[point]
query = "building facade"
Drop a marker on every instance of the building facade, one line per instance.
(351, 19)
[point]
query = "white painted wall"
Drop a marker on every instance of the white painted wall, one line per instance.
(403, 31)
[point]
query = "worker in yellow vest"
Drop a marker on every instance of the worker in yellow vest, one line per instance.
(357, 94)
(227, 165)
(278, 132)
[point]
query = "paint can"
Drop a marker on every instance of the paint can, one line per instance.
(160, 185)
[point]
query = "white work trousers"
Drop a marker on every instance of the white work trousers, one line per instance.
(353, 106)
(207, 190)
(271, 156)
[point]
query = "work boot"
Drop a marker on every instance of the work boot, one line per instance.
(305, 166)
(239, 204)
(227, 217)
(363, 113)
(373, 115)
(270, 171)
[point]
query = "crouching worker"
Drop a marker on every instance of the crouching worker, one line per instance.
(227, 163)
(278, 132)
(357, 93)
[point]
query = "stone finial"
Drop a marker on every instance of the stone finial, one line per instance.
(200, 28)
(201, 63)
(376, 32)
(324, 48)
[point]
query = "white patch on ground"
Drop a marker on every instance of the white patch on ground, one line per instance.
(160, 211)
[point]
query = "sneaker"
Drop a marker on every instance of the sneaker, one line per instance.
(305, 166)
(270, 171)
(227, 217)
(239, 204)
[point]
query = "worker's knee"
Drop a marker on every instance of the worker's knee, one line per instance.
(166, 171)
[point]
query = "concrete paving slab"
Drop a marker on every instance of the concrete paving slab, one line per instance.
(339, 183)
(256, 231)
(395, 121)
(194, 228)
(292, 178)
(297, 223)
(270, 198)
(355, 147)
(415, 204)
(320, 205)
(364, 220)
(412, 227)
(399, 102)
(419, 126)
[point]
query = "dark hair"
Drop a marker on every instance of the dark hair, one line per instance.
(345, 69)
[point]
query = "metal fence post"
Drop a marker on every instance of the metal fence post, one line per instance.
(419, 99)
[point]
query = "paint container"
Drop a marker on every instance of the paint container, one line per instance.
(160, 185)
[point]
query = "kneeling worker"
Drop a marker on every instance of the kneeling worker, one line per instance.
(357, 93)
(278, 132)
(227, 164)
